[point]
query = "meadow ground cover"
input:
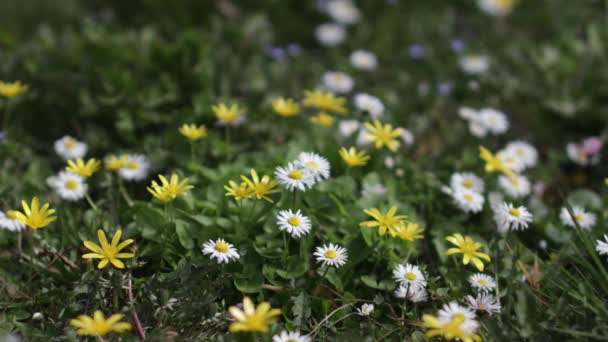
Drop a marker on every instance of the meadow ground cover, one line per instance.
(303, 170)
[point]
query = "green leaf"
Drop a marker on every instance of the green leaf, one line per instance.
(301, 309)
(183, 234)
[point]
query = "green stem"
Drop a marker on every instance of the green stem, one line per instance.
(91, 203)
(192, 154)
(6, 115)
(124, 193)
(286, 248)
(295, 199)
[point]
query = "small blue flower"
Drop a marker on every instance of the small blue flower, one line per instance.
(416, 51)
(294, 49)
(275, 52)
(457, 44)
(445, 88)
(2, 135)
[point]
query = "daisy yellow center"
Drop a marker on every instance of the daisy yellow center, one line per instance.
(294, 221)
(312, 164)
(71, 184)
(468, 197)
(11, 214)
(514, 181)
(221, 247)
(458, 316)
(579, 217)
(520, 152)
(133, 165)
(410, 276)
(70, 143)
(330, 254)
(467, 183)
(482, 282)
(481, 306)
(296, 174)
(515, 212)
(292, 340)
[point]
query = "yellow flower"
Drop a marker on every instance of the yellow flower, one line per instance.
(114, 163)
(449, 330)
(192, 132)
(324, 101)
(493, 163)
(384, 222)
(225, 114)
(12, 89)
(34, 216)
(237, 191)
(322, 119)
(84, 169)
(285, 107)
(410, 231)
(108, 252)
(468, 248)
(98, 325)
(168, 190)
(252, 318)
(353, 158)
(383, 135)
(261, 188)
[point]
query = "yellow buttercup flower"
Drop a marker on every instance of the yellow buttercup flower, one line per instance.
(114, 163)
(448, 329)
(168, 190)
(324, 101)
(13, 89)
(34, 216)
(227, 115)
(410, 231)
(383, 135)
(353, 158)
(493, 163)
(238, 191)
(285, 107)
(108, 252)
(253, 318)
(192, 132)
(468, 247)
(261, 188)
(84, 169)
(384, 222)
(322, 119)
(99, 325)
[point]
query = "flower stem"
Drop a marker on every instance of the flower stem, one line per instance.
(6, 115)
(124, 193)
(138, 327)
(91, 203)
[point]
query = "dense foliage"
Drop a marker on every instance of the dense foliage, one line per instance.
(124, 76)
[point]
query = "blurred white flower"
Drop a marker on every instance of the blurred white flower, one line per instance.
(602, 246)
(508, 217)
(466, 180)
(474, 64)
(584, 219)
(364, 60)
(365, 309)
(494, 120)
(516, 187)
(343, 11)
(70, 148)
(136, 168)
(370, 104)
(69, 186)
(330, 34)
(338, 82)
(526, 152)
(467, 200)
(348, 127)
(497, 8)
(484, 302)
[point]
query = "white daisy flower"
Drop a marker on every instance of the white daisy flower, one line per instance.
(407, 136)
(343, 11)
(495, 121)
(474, 64)
(370, 104)
(584, 219)
(482, 282)
(362, 139)
(524, 151)
(348, 127)
(484, 302)
(331, 255)
(601, 247)
(10, 222)
(495, 199)
(511, 160)
(70, 148)
(364, 60)
(477, 129)
(448, 311)
(414, 294)
(467, 200)
(409, 275)
(294, 177)
(136, 168)
(509, 217)
(466, 180)
(317, 166)
(365, 309)
(296, 224)
(330, 34)
(467, 113)
(286, 336)
(220, 250)
(516, 187)
(338, 82)
(69, 186)
(496, 7)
